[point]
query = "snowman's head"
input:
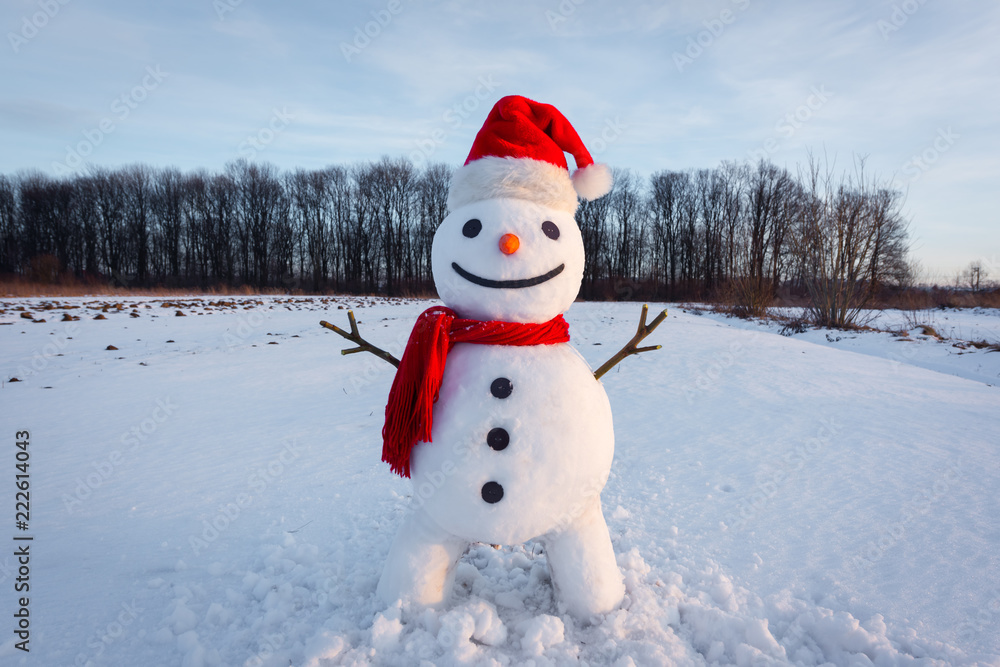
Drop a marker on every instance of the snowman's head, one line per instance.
(508, 259)
(510, 248)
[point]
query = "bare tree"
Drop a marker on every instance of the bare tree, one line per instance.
(258, 204)
(592, 218)
(137, 182)
(627, 217)
(709, 192)
(168, 203)
(309, 193)
(668, 191)
(850, 229)
(975, 276)
(692, 250)
(108, 192)
(432, 208)
(9, 228)
(391, 189)
(770, 207)
(47, 224)
(340, 193)
(87, 228)
(366, 232)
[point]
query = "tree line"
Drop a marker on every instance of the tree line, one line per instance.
(743, 231)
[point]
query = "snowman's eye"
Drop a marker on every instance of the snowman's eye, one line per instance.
(550, 229)
(472, 228)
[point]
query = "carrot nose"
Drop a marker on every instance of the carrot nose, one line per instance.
(509, 244)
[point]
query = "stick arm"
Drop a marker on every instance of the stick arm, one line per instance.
(355, 337)
(631, 347)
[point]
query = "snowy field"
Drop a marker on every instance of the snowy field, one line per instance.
(210, 493)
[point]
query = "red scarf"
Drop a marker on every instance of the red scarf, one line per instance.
(409, 412)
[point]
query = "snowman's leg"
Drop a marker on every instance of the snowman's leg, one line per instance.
(582, 564)
(421, 562)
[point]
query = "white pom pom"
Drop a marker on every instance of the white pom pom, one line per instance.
(593, 181)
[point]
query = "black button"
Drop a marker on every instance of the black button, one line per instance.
(498, 439)
(501, 388)
(550, 229)
(492, 492)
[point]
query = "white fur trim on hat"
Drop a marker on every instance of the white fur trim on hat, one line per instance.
(593, 181)
(514, 178)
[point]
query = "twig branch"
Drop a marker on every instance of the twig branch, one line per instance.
(631, 348)
(355, 337)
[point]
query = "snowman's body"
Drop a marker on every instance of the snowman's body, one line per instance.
(522, 437)
(545, 448)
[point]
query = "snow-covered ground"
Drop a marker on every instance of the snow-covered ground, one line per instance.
(947, 346)
(210, 493)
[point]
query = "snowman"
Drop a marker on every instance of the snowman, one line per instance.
(499, 422)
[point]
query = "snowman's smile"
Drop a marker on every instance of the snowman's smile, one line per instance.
(509, 284)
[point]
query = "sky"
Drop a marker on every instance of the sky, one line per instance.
(912, 86)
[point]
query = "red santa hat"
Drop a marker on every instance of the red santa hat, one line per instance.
(519, 153)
